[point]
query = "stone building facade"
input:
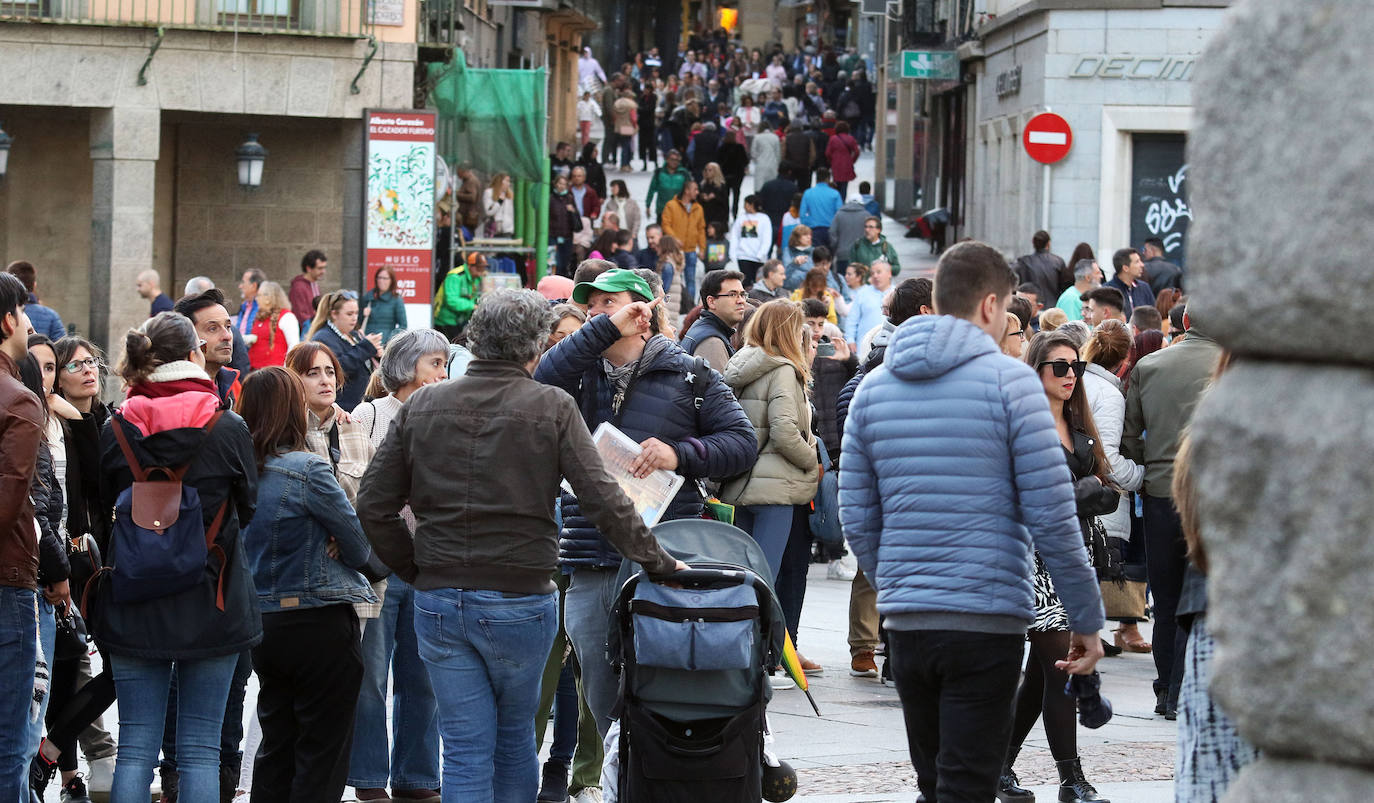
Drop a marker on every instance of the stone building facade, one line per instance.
(1121, 77)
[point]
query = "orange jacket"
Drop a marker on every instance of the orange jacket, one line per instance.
(688, 227)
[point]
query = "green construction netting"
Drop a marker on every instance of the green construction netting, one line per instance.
(491, 119)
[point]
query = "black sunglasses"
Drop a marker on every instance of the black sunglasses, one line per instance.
(1061, 368)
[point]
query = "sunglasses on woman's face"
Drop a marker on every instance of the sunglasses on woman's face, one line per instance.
(1061, 368)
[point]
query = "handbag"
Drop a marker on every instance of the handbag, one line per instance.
(1105, 553)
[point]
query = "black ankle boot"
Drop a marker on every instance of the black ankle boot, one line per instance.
(1073, 787)
(553, 787)
(1009, 787)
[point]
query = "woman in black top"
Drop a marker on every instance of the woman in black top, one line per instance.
(1054, 356)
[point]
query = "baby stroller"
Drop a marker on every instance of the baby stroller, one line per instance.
(693, 659)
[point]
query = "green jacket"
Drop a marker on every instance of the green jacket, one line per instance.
(1165, 387)
(665, 186)
(866, 253)
(457, 297)
(388, 316)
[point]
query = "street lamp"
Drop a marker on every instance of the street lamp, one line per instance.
(5, 141)
(251, 157)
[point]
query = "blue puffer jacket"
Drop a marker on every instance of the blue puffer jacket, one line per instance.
(950, 457)
(715, 441)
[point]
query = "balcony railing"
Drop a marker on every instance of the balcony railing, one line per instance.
(345, 18)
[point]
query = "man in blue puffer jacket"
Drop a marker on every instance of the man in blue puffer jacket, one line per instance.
(619, 369)
(952, 472)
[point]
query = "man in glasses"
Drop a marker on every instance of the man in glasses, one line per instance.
(873, 246)
(951, 474)
(723, 302)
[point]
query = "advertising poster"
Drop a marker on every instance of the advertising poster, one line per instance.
(398, 203)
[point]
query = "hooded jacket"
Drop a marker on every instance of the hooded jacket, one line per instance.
(847, 228)
(167, 431)
(952, 473)
(774, 398)
(715, 441)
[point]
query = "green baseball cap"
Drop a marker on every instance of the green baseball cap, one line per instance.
(614, 281)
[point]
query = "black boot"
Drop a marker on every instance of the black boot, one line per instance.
(553, 787)
(1009, 788)
(1073, 787)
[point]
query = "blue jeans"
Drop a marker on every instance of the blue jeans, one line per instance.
(486, 651)
(141, 686)
(770, 526)
(390, 647)
(18, 658)
(689, 281)
(47, 634)
(586, 617)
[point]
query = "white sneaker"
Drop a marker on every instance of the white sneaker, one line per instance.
(781, 682)
(589, 795)
(841, 569)
(100, 779)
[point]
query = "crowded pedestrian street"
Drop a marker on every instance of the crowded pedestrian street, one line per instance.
(699, 401)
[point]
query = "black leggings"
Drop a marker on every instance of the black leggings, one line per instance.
(1042, 693)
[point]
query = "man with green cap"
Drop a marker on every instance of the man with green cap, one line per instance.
(620, 369)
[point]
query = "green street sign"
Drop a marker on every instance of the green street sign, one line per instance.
(930, 65)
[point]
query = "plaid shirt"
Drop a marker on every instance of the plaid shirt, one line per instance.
(350, 463)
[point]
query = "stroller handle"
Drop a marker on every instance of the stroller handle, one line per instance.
(739, 576)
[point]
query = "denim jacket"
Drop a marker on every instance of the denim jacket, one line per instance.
(300, 507)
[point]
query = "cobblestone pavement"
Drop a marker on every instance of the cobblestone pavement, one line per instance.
(857, 751)
(1122, 761)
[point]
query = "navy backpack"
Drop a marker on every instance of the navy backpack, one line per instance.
(159, 545)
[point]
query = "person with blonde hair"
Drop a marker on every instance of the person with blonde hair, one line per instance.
(275, 328)
(671, 264)
(498, 206)
(771, 376)
(1052, 318)
(1014, 339)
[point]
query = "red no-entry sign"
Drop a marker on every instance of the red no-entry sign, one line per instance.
(1047, 138)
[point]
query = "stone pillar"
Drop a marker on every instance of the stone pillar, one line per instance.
(1279, 262)
(124, 150)
(351, 253)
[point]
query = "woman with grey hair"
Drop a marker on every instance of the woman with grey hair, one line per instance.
(485, 609)
(1078, 330)
(413, 359)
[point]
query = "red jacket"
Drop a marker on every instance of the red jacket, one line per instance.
(841, 152)
(270, 347)
(303, 294)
